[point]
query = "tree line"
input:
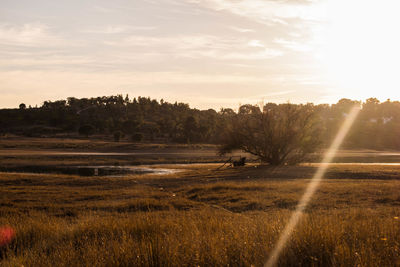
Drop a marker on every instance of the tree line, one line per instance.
(145, 119)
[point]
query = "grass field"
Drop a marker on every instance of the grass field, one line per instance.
(201, 216)
(22, 152)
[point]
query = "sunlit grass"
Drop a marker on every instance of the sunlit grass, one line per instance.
(199, 217)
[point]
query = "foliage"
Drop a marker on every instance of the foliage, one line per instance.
(190, 128)
(117, 136)
(377, 127)
(137, 137)
(86, 130)
(280, 134)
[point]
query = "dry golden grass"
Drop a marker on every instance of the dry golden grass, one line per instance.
(203, 217)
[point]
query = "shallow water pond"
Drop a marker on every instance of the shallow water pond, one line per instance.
(91, 170)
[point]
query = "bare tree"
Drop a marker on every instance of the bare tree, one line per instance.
(279, 134)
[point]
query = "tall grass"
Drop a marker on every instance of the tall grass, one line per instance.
(204, 238)
(133, 221)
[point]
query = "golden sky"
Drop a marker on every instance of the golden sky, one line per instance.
(209, 53)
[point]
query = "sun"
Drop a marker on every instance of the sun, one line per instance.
(360, 47)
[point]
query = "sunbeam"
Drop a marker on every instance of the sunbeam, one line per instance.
(312, 187)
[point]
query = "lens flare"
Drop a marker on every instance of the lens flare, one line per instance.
(6, 235)
(312, 187)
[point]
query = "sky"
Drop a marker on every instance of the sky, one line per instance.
(208, 53)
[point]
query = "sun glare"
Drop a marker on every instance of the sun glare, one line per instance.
(360, 47)
(312, 187)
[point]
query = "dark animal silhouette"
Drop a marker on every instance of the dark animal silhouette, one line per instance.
(240, 162)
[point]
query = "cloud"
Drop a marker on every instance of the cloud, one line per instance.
(115, 29)
(31, 35)
(262, 55)
(107, 30)
(160, 47)
(255, 43)
(200, 46)
(290, 24)
(266, 11)
(51, 61)
(242, 30)
(38, 78)
(294, 45)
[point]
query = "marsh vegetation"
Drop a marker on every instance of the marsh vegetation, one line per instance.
(201, 216)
